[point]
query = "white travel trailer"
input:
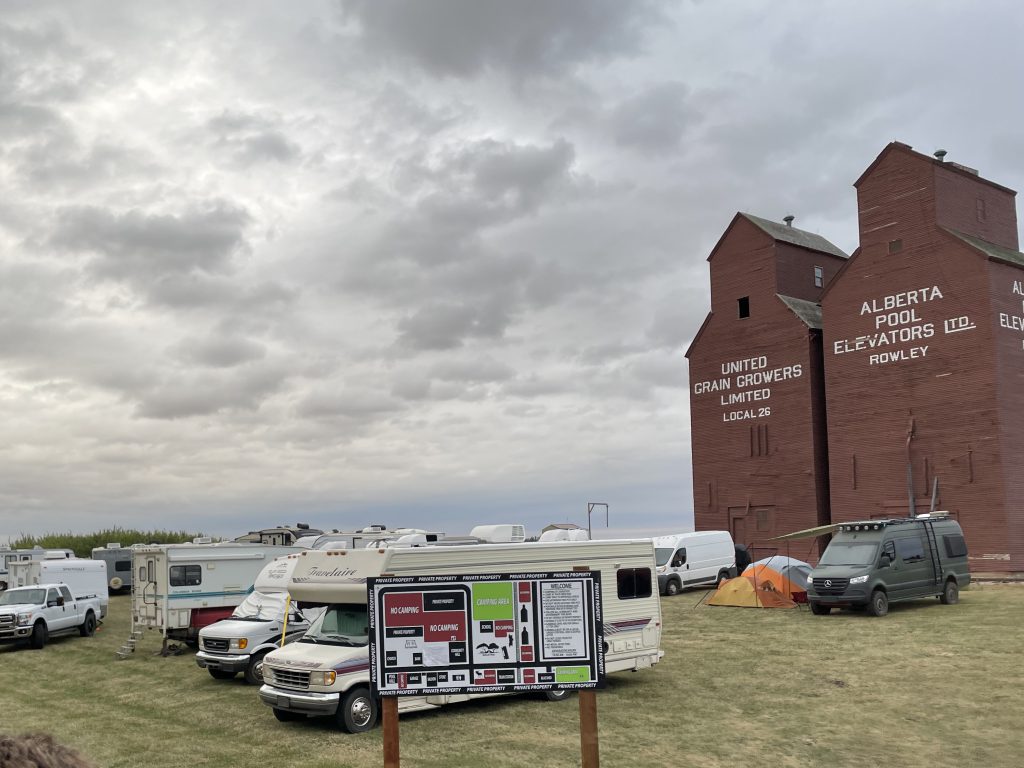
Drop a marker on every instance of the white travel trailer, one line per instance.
(8, 556)
(181, 588)
(326, 672)
(85, 578)
(264, 621)
(694, 558)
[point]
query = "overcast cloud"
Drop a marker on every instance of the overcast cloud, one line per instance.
(424, 263)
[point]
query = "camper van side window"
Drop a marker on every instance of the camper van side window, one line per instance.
(680, 558)
(955, 545)
(633, 583)
(186, 575)
(911, 549)
(122, 565)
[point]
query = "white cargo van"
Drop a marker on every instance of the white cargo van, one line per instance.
(693, 559)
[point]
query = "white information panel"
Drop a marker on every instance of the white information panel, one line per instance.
(488, 633)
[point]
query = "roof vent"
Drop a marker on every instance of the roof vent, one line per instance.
(940, 154)
(789, 220)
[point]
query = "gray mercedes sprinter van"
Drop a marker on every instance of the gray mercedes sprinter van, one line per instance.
(872, 563)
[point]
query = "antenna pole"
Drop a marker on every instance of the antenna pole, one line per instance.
(590, 510)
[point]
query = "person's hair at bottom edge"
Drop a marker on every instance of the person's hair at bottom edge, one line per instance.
(38, 750)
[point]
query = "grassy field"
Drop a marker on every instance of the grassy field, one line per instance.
(928, 685)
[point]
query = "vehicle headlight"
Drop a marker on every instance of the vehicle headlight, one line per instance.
(810, 579)
(25, 618)
(239, 645)
(268, 674)
(323, 678)
(859, 579)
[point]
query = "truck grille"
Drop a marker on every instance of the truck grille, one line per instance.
(291, 678)
(215, 644)
(832, 587)
(7, 621)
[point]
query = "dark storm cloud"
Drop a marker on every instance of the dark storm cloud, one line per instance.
(356, 405)
(529, 37)
(142, 246)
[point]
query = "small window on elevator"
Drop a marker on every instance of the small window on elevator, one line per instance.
(744, 306)
(819, 277)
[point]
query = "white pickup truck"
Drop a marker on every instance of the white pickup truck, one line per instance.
(37, 612)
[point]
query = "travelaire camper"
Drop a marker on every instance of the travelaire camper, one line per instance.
(264, 621)
(694, 558)
(87, 579)
(871, 563)
(181, 588)
(326, 672)
(119, 565)
(8, 556)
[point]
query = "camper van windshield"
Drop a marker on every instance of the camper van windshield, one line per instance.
(344, 624)
(26, 596)
(839, 553)
(662, 554)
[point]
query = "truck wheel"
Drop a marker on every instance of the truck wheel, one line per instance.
(88, 628)
(951, 594)
(820, 610)
(254, 672)
(39, 635)
(221, 674)
(879, 605)
(672, 588)
(357, 712)
(561, 695)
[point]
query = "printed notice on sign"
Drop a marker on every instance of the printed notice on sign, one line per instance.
(489, 633)
(564, 629)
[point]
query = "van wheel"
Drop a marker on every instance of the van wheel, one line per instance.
(39, 635)
(672, 588)
(557, 695)
(220, 674)
(285, 716)
(88, 628)
(820, 610)
(357, 712)
(879, 605)
(254, 672)
(722, 578)
(951, 594)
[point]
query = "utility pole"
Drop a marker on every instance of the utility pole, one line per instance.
(590, 510)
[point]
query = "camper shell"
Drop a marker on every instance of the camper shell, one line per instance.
(265, 620)
(693, 559)
(872, 563)
(181, 588)
(328, 675)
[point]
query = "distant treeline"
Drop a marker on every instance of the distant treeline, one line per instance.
(84, 543)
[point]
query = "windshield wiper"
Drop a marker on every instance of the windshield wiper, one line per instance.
(340, 640)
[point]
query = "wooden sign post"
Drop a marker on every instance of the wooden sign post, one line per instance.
(389, 723)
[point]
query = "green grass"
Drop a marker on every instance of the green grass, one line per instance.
(927, 686)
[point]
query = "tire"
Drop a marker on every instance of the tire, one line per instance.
(40, 634)
(285, 716)
(879, 604)
(722, 578)
(254, 672)
(357, 712)
(951, 594)
(88, 628)
(820, 610)
(116, 584)
(221, 674)
(557, 695)
(672, 588)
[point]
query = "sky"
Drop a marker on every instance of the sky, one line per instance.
(430, 264)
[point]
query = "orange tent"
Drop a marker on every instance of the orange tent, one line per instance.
(742, 592)
(762, 574)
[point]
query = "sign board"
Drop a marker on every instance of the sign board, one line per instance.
(436, 635)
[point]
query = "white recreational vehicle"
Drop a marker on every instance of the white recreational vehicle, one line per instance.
(8, 556)
(264, 621)
(119, 565)
(326, 672)
(181, 588)
(87, 579)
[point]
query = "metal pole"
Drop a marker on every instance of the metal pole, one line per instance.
(590, 509)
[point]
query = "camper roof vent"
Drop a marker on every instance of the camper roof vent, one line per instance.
(555, 534)
(302, 526)
(411, 540)
(375, 528)
(55, 555)
(500, 534)
(202, 540)
(114, 545)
